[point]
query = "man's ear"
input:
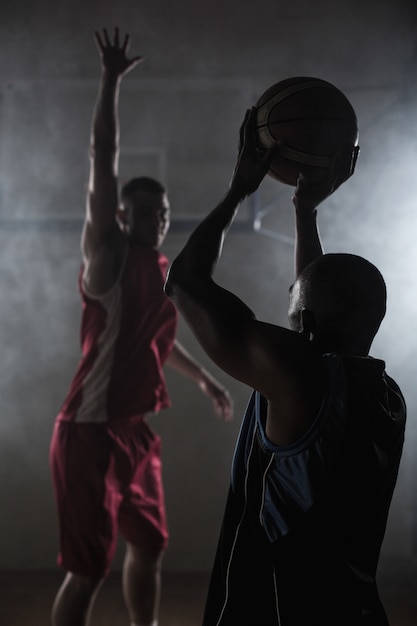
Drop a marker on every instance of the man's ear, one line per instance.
(120, 216)
(308, 323)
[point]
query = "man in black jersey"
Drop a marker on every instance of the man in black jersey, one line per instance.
(319, 448)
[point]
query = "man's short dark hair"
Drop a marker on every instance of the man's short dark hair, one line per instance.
(346, 293)
(141, 183)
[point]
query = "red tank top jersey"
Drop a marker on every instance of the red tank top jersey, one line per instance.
(126, 337)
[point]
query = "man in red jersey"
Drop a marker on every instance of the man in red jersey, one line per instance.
(105, 458)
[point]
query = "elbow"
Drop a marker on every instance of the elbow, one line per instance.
(172, 282)
(175, 277)
(169, 288)
(180, 283)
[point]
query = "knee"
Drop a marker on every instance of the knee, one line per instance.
(74, 599)
(80, 587)
(85, 584)
(151, 557)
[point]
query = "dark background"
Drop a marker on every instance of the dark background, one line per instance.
(205, 63)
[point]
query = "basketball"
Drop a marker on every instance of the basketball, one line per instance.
(312, 118)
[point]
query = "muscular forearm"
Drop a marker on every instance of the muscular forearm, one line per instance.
(198, 259)
(308, 196)
(105, 126)
(308, 244)
(102, 198)
(181, 360)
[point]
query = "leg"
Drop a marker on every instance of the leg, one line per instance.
(142, 523)
(142, 584)
(87, 513)
(74, 600)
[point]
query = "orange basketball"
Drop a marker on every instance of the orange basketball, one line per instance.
(312, 118)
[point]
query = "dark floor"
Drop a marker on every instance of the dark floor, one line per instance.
(26, 599)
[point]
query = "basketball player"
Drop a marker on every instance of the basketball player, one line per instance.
(319, 448)
(105, 457)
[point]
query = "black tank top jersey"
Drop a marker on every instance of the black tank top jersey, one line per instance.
(304, 523)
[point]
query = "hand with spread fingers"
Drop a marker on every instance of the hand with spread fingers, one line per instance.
(113, 54)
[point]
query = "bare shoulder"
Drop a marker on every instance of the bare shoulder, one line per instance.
(292, 382)
(102, 263)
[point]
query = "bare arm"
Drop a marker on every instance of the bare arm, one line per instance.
(279, 363)
(308, 245)
(225, 327)
(101, 232)
(183, 362)
(199, 257)
(307, 197)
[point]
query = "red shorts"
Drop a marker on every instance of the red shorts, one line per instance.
(107, 479)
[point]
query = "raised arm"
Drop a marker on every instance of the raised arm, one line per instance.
(199, 257)
(218, 318)
(100, 227)
(308, 196)
(308, 245)
(279, 363)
